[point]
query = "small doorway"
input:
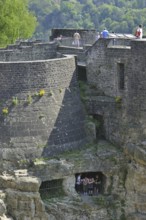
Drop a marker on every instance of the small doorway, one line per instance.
(81, 70)
(99, 122)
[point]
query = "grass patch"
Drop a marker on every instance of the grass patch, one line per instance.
(77, 153)
(100, 201)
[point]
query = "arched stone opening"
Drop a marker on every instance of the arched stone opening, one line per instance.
(51, 189)
(95, 183)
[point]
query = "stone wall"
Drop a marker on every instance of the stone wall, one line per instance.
(102, 74)
(39, 126)
(80, 53)
(87, 36)
(124, 121)
(136, 86)
(27, 51)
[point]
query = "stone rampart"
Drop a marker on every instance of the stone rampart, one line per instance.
(28, 51)
(39, 125)
(87, 36)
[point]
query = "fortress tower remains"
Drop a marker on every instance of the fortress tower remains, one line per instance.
(118, 71)
(40, 94)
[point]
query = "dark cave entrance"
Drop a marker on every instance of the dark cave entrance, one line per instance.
(51, 189)
(97, 178)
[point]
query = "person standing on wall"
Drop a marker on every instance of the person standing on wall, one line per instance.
(139, 32)
(105, 33)
(77, 38)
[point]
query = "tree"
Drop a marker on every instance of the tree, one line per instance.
(15, 21)
(116, 15)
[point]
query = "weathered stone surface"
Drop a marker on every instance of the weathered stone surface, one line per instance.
(4, 217)
(39, 125)
(25, 183)
(67, 211)
(2, 207)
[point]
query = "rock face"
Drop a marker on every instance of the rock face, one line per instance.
(22, 198)
(2, 208)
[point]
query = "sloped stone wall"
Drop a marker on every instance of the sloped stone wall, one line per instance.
(39, 126)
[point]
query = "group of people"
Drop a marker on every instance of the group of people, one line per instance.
(88, 186)
(105, 33)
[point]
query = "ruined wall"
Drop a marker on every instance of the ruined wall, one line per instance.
(39, 126)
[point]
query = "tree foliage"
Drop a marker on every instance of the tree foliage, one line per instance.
(15, 21)
(116, 15)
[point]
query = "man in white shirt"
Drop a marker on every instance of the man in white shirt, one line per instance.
(77, 39)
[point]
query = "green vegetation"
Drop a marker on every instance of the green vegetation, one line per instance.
(83, 88)
(100, 200)
(118, 99)
(77, 153)
(41, 92)
(15, 101)
(5, 111)
(116, 15)
(18, 20)
(24, 17)
(97, 122)
(15, 21)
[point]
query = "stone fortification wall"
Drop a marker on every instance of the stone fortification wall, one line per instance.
(87, 36)
(38, 126)
(102, 65)
(124, 120)
(27, 51)
(80, 53)
(136, 88)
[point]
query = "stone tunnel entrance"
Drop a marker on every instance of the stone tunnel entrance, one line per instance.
(51, 189)
(90, 183)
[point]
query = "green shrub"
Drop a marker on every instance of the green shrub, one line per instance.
(15, 101)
